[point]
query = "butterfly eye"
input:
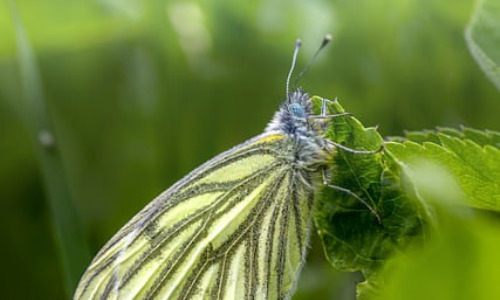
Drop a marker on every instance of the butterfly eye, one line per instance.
(297, 110)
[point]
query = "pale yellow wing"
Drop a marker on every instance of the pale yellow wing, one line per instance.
(235, 228)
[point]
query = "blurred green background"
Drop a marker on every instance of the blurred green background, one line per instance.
(141, 92)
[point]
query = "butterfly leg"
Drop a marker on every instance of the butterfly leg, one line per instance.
(350, 193)
(324, 115)
(347, 149)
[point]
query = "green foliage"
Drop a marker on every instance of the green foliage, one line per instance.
(422, 186)
(458, 263)
(450, 172)
(352, 237)
(480, 137)
(483, 38)
(467, 159)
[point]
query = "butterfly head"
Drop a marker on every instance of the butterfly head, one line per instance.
(296, 110)
(292, 117)
(297, 106)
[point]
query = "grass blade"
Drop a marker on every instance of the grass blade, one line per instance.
(69, 234)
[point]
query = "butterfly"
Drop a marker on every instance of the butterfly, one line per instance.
(237, 227)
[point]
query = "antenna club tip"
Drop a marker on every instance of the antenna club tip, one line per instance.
(326, 39)
(298, 42)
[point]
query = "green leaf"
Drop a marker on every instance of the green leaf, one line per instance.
(412, 185)
(483, 38)
(480, 137)
(352, 237)
(446, 170)
(466, 162)
(459, 262)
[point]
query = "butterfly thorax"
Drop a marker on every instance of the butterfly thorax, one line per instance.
(307, 149)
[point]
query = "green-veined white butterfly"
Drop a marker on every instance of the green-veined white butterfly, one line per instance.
(236, 227)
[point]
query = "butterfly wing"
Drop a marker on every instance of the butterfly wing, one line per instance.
(235, 228)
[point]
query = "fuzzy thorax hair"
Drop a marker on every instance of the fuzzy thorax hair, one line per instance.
(309, 148)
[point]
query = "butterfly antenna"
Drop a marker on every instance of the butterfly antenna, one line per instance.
(294, 60)
(326, 40)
